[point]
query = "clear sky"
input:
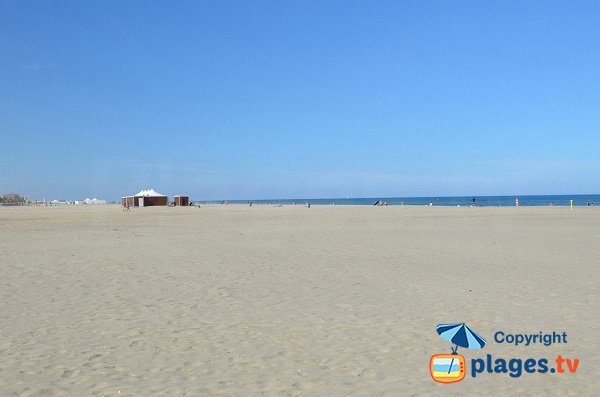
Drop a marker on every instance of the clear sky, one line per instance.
(288, 99)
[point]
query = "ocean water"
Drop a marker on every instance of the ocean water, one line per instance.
(483, 201)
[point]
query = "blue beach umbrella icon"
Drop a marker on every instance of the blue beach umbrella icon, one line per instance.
(460, 335)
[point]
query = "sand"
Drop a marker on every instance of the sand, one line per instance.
(289, 301)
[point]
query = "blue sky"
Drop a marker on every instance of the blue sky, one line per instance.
(282, 99)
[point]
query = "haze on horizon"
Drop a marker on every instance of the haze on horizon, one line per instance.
(240, 100)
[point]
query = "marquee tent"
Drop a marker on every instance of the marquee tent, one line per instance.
(145, 198)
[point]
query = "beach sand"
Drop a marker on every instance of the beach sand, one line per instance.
(289, 301)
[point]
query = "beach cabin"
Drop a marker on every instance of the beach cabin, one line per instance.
(127, 201)
(145, 198)
(182, 201)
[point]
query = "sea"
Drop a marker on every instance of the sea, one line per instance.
(482, 201)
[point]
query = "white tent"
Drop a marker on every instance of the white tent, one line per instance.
(145, 198)
(94, 201)
(149, 193)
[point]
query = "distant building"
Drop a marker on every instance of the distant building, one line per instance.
(145, 198)
(182, 201)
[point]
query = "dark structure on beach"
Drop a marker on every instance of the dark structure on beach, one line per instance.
(182, 201)
(145, 198)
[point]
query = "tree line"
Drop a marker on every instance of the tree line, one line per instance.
(11, 198)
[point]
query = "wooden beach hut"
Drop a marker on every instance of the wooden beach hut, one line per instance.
(182, 201)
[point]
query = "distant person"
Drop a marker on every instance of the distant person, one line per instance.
(474, 202)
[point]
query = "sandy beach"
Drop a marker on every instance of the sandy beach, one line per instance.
(289, 301)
